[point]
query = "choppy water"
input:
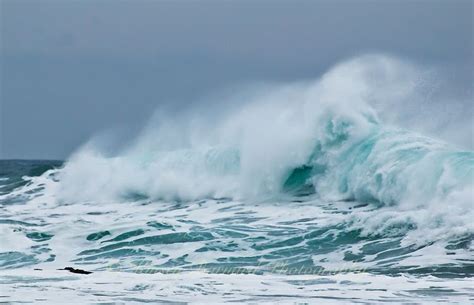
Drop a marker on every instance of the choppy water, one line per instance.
(302, 195)
(293, 250)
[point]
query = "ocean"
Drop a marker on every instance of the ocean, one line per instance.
(315, 201)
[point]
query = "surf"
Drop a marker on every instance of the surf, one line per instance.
(330, 136)
(310, 174)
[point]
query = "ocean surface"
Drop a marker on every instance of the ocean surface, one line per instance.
(315, 201)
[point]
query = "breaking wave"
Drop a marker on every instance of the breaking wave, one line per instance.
(327, 137)
(313, 174)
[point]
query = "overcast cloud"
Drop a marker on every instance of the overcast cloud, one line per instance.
(72, 68)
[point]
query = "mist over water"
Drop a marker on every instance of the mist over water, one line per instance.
(256, 137)
(368, 164)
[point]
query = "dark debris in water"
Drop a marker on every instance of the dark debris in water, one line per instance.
(78, 271)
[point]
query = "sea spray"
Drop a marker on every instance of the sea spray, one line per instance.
(287, 186)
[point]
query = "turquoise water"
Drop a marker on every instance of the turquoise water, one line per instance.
(297, 239)
(305, 193)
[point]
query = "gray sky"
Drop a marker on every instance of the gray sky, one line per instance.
(72, 68)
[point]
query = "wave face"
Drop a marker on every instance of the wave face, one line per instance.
(306, 176)
(326, 138)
